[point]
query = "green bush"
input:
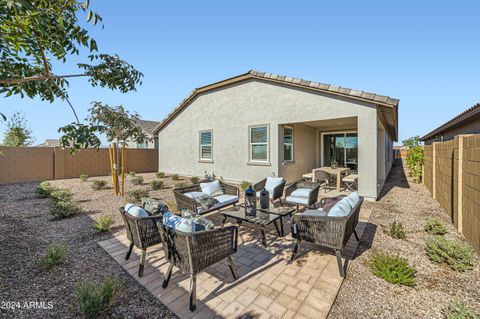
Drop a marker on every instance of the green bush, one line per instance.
(54, 255)
(137, 180)
(245, 185)
(44, 189)
(175, 177)
(104, 223)
(194, 180)
(160, 174)
(156, 185)
(83, 177)
(61, 209)
(434, 226)
(397, 230)
(95, 299)
(99, 185)
(457, 310)
(136, 195)
(415, 162)
(393, 269)
(131, 174)
(180, 185)
(61, 195)
(458, 255)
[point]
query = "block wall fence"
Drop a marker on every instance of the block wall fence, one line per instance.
(27, 164)
(451, 173)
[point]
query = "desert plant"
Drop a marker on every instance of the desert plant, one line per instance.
(194, 180)
(458, 255)
(160, 174)
(156, 185)
(131, 174)
(95, 299)
(54, 255)
(61, 209)
(245, 185)
(99, 184)
(61, 195)
(175, 177)
(434, 226)
(44, 189)
(393, 269)
(415, 162)
(172, 206)
(104, 223)
(137, 180)
(136, 195)
(83, 177)
(457, 310)
(397, 230)
(180, 185)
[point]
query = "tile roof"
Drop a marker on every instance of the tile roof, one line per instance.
(148, 126)
(457, 120)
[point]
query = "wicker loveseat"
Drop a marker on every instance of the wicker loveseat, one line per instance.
(230, 196)
(328, 231)
(142, 232)
(193, 252)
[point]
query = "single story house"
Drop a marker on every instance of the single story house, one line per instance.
(148, 127)
(260, 124)
(467, 122)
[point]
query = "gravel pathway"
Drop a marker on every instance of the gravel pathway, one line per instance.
(363, 295)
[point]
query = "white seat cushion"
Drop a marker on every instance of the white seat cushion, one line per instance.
(350, 178)
(341, 209)
(194, 195)
(135, 210)
(353, 199)
(297, 200)
(226, 199)
(212, 189)
(272, 182)
(301, 192)
(270, 194)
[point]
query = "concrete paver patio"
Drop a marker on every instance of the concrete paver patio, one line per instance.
(270, 285)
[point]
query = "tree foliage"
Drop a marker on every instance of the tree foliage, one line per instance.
(412, 141)
(18, 134)
(415, 162)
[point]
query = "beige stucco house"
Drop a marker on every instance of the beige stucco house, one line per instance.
(148, 128)
(260, 124)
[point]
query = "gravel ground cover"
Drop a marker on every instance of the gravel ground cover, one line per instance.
(363, 295)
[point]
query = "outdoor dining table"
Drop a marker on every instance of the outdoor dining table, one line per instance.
(332, 171)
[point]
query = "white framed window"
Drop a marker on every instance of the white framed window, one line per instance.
(288, 144)
(206, 145)
(259, 143)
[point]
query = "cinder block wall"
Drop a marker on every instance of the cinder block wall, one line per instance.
(23, 164)
(428, 167)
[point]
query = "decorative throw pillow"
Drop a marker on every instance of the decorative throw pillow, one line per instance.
(153, 206)
(198, 219)
(135, 211)
(206, 201)
(353, 199)
(186, 225)
(331, 202)
(213, 188)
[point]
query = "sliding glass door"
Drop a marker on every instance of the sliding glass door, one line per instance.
(341, 147)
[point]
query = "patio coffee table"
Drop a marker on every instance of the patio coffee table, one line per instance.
(282, 211)
(261, 219)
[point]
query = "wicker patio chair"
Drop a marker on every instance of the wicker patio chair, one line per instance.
(185, 202)
(277, 191)
(142, 232)
(328, 231)
(304, 201)
(323, 178)
(193, 252)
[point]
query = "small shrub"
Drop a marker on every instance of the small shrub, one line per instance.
(61, 195)
(457, 310)
(434, 226)
(137, 180)
(61, 209)
(136, 195)
(397, 230)
(95, 299)
(156, 185)
(104, 223)
(393, 269)
(245, 185)
(172, 206)
(44, 189)
(131, 174)
(415, 162)
(99, 185)
(180, 185)
(194, 180)
(54, 255)
(160, 174)
(458, 255)
(83, 177)
(175, 177)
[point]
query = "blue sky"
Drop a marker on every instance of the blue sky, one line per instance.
(425, 53)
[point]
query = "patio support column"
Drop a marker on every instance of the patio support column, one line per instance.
(367, 153)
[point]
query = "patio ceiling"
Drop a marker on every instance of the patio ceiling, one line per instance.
(334, 124)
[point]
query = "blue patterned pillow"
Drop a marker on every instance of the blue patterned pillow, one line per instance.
(186, 225)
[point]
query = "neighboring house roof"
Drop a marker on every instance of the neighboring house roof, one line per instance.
(388, 106)
(148, 126)
(50, 143)
(457, 120)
